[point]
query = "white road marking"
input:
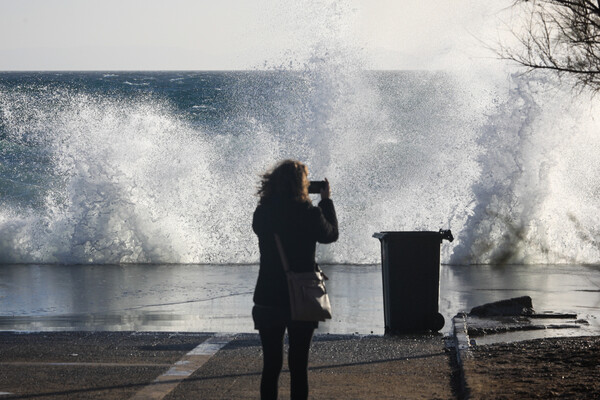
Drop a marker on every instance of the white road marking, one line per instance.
(80, 364)
(183, 368)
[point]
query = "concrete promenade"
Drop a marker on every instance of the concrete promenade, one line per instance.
(133, 365)
(127, 365)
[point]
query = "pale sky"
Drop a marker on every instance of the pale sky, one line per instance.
(242, 34)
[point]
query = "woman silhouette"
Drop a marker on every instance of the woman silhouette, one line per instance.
(285, 209)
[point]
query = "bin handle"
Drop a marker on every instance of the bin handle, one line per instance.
(446, 234)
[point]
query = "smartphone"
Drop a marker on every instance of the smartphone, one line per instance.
(316, 186)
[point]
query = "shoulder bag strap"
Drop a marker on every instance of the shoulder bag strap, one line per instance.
(284, 261)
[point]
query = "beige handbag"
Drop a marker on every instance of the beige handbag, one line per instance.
(308, 296)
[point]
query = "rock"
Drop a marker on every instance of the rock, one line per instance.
(512, 307)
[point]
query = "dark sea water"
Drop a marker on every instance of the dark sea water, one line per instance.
(161, 167)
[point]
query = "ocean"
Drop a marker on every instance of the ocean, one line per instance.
(162, 167)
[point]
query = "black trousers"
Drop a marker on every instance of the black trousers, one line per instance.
(272, 331)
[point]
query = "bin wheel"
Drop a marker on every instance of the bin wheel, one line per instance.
(436, 322)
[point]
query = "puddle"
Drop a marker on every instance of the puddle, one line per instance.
(218, 298)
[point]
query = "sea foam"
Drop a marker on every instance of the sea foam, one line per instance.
(508, 164)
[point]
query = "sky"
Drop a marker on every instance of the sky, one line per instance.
(243, 34)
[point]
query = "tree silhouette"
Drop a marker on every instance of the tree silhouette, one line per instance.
(562, 36)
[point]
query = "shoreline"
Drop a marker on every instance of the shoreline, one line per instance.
(210, 298)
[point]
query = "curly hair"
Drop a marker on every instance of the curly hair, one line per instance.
(287, 180)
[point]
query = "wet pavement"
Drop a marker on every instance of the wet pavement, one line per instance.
(218, 298)
(183, 331)
(566, 289)
(133, 365)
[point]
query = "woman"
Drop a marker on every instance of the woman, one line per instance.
(286, 209)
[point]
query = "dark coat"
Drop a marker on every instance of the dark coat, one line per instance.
(300, 226)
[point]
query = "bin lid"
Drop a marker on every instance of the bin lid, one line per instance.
(441, 234)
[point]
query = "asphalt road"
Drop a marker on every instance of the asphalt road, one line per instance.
(127, 365)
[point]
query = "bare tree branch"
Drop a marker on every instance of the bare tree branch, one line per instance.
(562, 36)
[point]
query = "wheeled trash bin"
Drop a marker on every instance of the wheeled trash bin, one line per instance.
(411, 280)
